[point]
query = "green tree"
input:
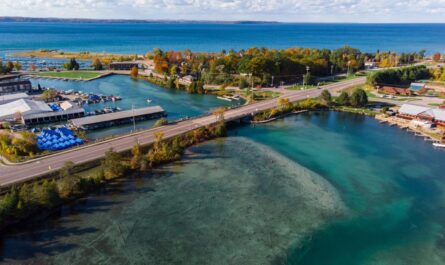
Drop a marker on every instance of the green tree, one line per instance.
(69, 182)
(309, 79)
(243, 83)
(46, 194)
(326, 97)
(49, 94)
(112, 165)
(343, 99)
(359, 98)
(71, 65)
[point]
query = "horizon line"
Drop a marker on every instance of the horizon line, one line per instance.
(197, 21)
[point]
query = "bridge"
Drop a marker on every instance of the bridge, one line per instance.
(17, 173)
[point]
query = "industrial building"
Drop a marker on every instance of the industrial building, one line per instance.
(10, 84)
(22, 107)
(32, 112)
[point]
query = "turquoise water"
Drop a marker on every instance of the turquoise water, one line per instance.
(177, 103)
(140, 38)
(318, 188)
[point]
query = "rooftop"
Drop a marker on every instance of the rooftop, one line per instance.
(24, 106)
(411, 109)
(12, 97)
(116, 116)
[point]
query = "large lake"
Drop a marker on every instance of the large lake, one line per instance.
(140, 38)
(318, 188)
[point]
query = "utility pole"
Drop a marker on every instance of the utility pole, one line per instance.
(134, 120)
(272, 80)
(303, 82)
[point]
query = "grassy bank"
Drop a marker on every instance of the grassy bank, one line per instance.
(71, 74)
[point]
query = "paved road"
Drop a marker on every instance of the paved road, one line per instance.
(10, 174)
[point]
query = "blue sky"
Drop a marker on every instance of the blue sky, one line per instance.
(275, 10)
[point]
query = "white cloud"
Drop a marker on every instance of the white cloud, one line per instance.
(282, 10)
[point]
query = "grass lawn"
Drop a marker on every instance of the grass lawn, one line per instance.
(71, 74)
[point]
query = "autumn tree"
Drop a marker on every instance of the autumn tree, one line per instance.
(134, 72)
(436, 57)
(97, 65)
(112, 165)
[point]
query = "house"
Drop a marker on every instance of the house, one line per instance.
(123, 66)
(425, 114)
(188, 79)
(391, 90)
(411, 111)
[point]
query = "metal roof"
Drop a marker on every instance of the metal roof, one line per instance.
(24, 106)
(411, 109)
(12, 97)
(53, 113)
(414, 110)
(116, 116)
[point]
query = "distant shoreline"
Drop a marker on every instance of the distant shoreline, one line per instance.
(186, 21)
(141, 21)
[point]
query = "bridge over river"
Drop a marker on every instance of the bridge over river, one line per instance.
(17, 173)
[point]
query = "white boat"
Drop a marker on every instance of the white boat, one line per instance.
(439, 145)
(149, 101)
(224, 98)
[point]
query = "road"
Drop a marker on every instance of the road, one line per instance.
(12, 174)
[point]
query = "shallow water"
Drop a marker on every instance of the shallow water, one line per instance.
(319, 188)
(177, 104)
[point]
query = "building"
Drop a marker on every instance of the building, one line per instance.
(395, 91)
(370, 65)
(53, 116)
(414, 112)
(18, 108)
(417, 86)
(116, 118)
(123, 66)
(10, 84)
(66, 105)
(4, 99)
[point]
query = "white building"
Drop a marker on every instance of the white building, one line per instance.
(4, 99)
(66, 105)
(23, 106)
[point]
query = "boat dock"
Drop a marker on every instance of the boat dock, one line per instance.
(116, 118)
(55, 116)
